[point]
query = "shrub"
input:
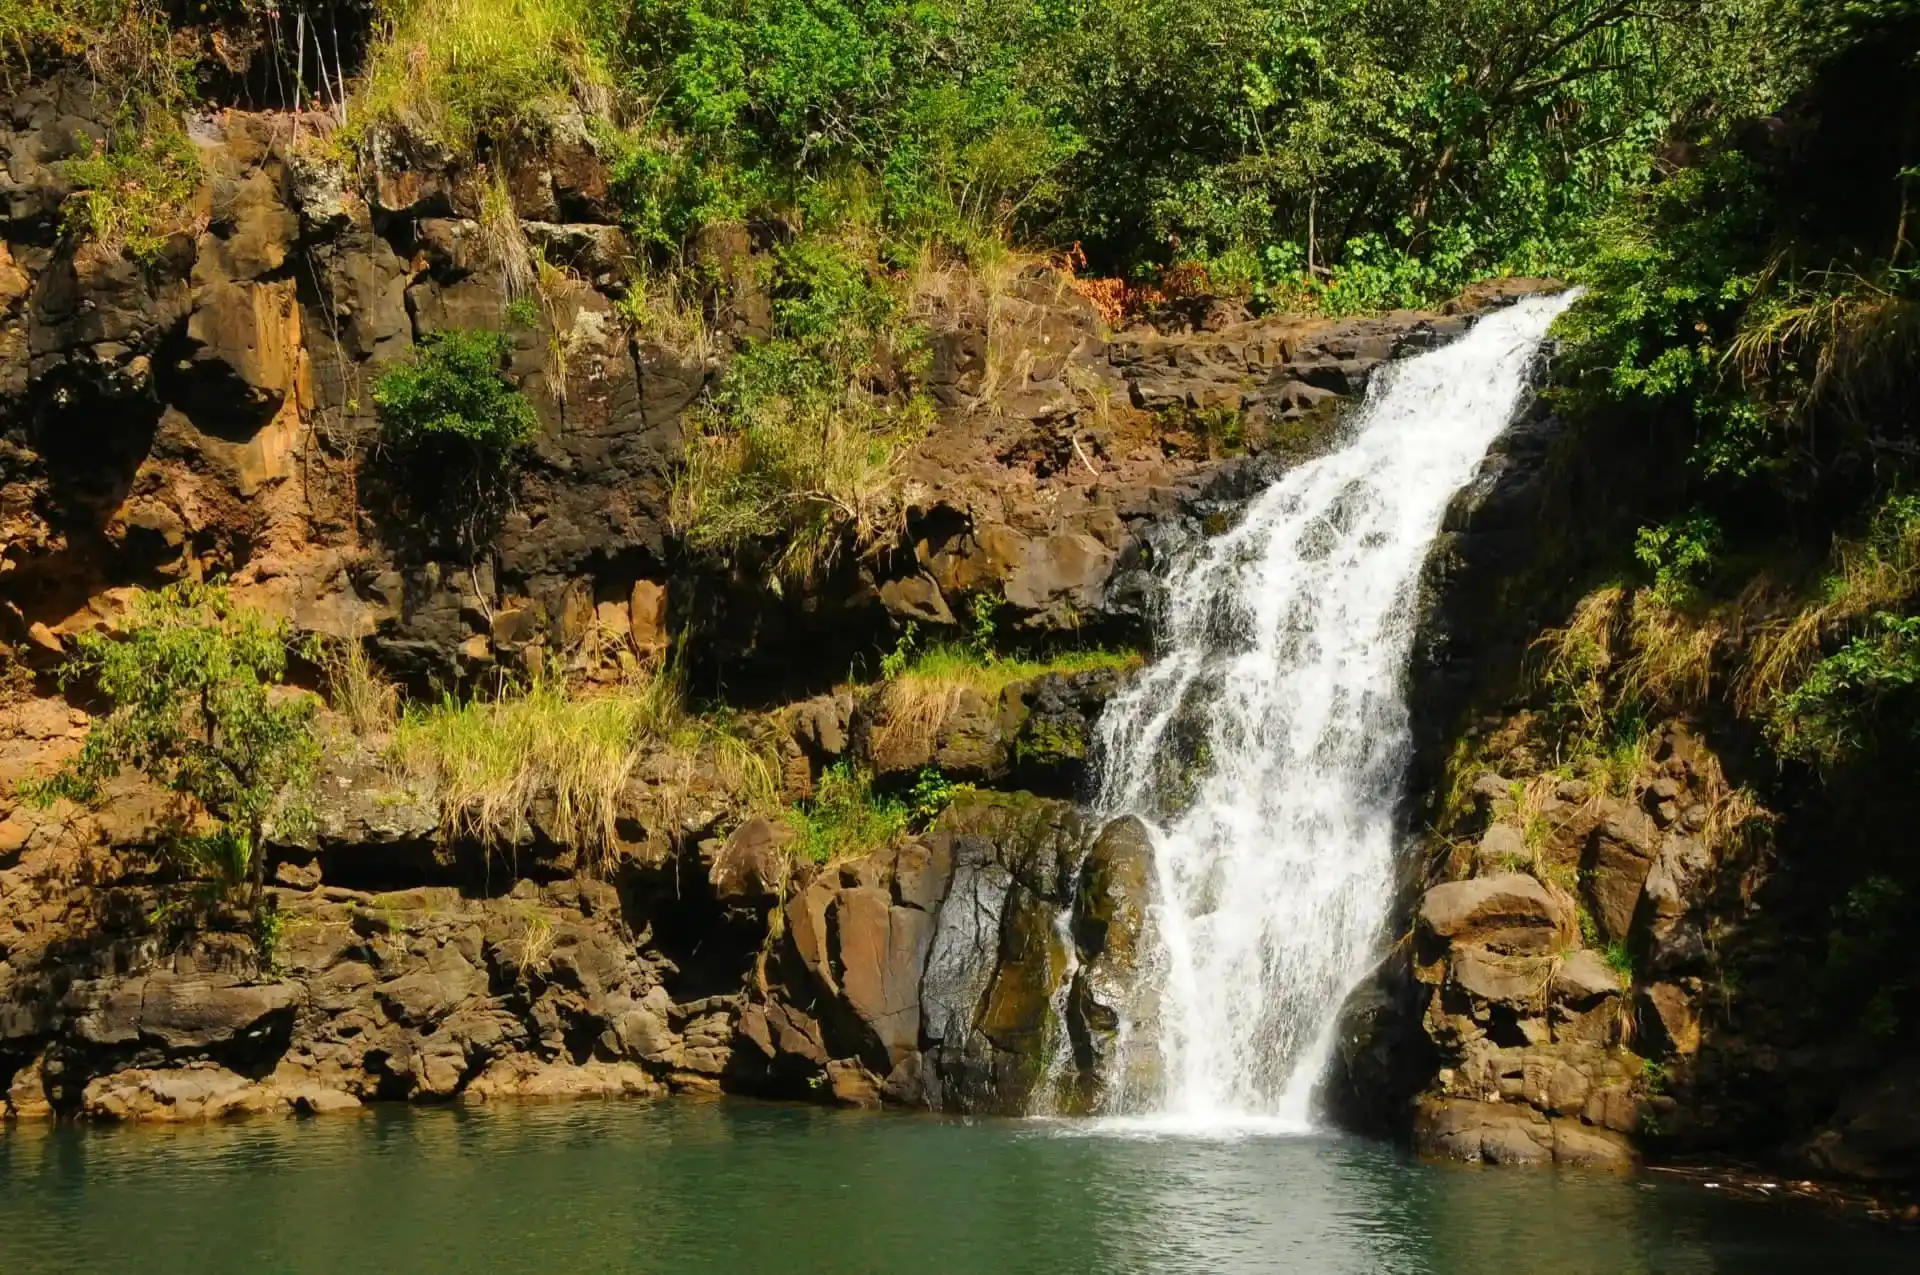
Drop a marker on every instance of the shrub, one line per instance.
(796, 445)
(453, 396)
(1680, 554)
(192, 677)
(1852, 697)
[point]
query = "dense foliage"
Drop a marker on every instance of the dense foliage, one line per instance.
(1761, 306)
(453, 397)
(1270, 140)
(194, 680)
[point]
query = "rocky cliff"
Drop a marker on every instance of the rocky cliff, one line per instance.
(1650, 943)
(206, 411)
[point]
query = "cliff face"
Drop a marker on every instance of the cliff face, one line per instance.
(207, 412)
(1641, 947)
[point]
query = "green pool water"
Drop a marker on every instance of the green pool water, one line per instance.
(689, 1188)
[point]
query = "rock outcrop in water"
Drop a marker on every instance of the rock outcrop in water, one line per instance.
(934, 975)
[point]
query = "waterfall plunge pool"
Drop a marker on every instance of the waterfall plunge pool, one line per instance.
(691, 1188)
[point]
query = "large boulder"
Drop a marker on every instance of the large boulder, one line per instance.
(1618, 857)
(1511, 913)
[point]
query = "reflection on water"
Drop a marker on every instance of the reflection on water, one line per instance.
(740, 1188)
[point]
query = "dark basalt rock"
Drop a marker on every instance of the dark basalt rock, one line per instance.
(938, 968)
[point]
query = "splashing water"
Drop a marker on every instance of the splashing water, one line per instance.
(1285, 645)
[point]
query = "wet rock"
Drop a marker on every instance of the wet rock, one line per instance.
(189, 1094)
(1483, 1133)
(852, 1085)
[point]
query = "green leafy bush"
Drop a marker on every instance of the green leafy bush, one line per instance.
(193, 678)
(795, 446)
(1680, 554)
(453, 395)
(1852, 697)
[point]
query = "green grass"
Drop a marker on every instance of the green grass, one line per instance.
(846, 818)
(452, 69)
(489, 760)
(921, 685)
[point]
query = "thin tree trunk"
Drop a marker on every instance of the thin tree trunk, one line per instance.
(256, 867)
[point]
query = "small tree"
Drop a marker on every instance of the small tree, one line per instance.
(453, 396)
(192, 676)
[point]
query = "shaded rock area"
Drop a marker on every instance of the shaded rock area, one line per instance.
(424, 995)
(932, 975)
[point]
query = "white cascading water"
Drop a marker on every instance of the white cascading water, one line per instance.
(1284, 648)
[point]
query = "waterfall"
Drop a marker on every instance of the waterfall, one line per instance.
(1266, 744)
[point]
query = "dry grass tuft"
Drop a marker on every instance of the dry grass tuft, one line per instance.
(1572, 663)
(665, 307)
(1846, 339)
(1868, 575)
(914, 703)
(505, 241)
(489, 761)
(1673, 654)
(451, 69)
(358, 691)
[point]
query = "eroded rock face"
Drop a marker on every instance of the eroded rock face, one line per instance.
(1108, 924)
(423, 994)
(938, 970)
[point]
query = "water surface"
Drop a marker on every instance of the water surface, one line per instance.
(690, 1188)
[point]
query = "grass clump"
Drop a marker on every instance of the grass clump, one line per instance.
(357, 690)
(450, 69)
(848, 817)
(489, 761)
(920, 686)
(799, 447)
(133, 192)
(453, 400)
